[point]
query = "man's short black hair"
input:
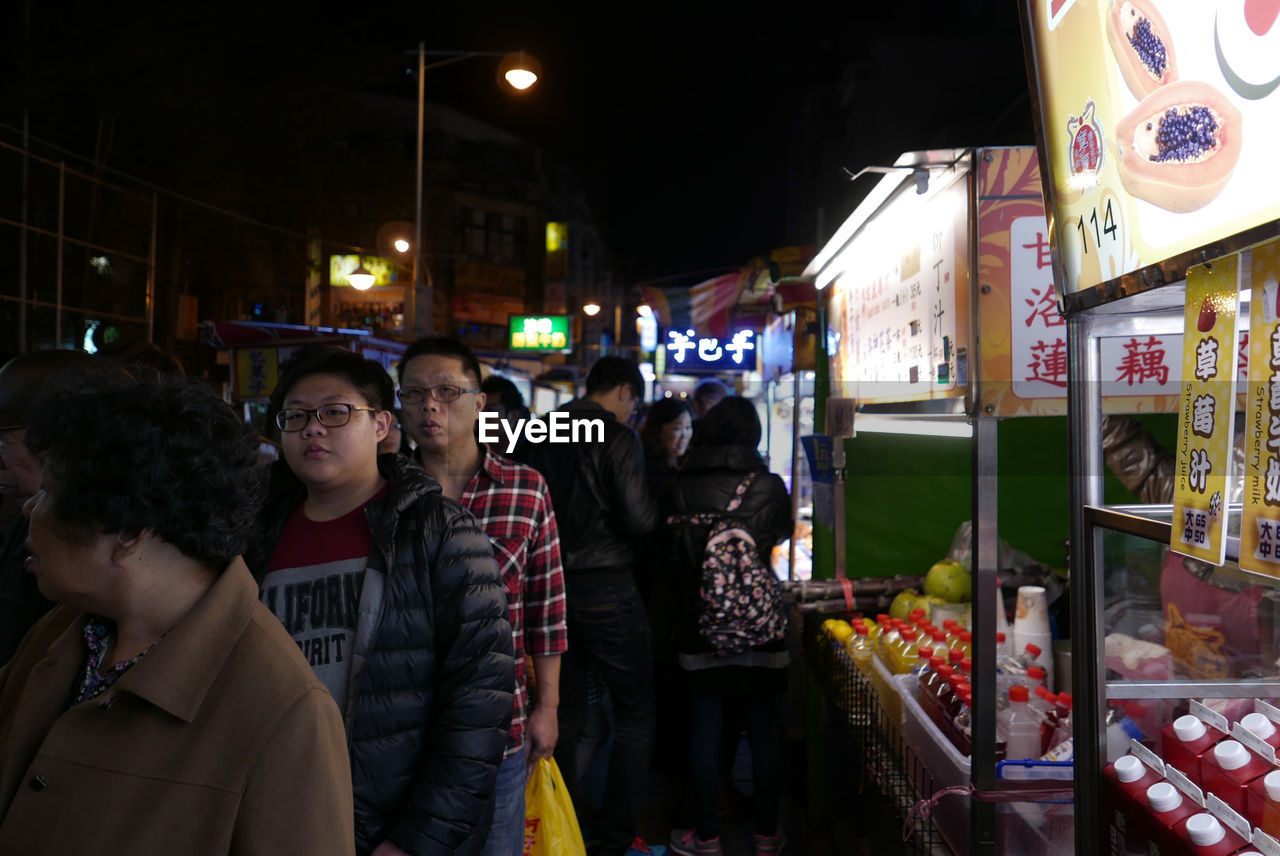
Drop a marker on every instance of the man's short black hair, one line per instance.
(711, 392)
(501, 390)
(610, 372)
(442, 346)
(369, 378)
(732, 422)
(127, 453)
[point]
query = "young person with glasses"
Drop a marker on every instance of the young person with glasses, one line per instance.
(392, 593)
(440, 391)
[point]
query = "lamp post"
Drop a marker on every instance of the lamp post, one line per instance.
(518, 69)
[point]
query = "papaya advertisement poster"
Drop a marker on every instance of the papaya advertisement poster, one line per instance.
(1023, 336)
(1206, 418)
(1160, 119)
(1260, 526)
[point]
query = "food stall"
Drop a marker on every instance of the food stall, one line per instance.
(948, 402)
(1154, 132)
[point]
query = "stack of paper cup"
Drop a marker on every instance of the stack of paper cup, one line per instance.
(1031, 626)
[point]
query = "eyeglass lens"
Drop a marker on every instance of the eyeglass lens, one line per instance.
(330, 416)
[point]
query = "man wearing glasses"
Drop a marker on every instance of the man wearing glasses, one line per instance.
(603, 508)
(392, 594)
(440, 391)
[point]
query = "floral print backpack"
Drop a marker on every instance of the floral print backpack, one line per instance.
(741, 601)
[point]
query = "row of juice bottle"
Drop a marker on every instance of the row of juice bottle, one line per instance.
(1038, 722)
(895, 642)
(1160, 801)
(1032, 724)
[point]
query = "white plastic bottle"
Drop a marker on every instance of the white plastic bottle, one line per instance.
(1021, 726)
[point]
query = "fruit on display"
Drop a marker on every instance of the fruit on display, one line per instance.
(1178, 148)
(949, 581)
(1139, 39)
(903, 602)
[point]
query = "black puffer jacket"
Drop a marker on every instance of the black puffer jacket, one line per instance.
(599, 492)
(432, 669)
(705, 484)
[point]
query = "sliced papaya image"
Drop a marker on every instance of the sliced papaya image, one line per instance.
(1179, 146)
(1139, 39)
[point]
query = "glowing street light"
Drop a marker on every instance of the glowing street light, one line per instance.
(401, 245)
(591, 309)
(520, 71)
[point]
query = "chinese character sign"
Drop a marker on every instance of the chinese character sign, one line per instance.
(1260, 527)
(540, 333)
(689, 352)
(255, 372)
(1207, 413)
(1039, 332)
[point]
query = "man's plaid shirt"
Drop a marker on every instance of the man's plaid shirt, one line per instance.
(513, 505)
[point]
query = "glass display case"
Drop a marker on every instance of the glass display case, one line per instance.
(1160, 637)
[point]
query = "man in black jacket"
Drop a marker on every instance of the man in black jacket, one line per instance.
(392, 593)
(603, 508)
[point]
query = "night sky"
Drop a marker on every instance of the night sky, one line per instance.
(686, 122)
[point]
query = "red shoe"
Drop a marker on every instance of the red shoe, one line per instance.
(686, 843)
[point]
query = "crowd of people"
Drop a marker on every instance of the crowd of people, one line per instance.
(364, 645)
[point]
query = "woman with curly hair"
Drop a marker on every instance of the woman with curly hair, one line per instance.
(161, 708)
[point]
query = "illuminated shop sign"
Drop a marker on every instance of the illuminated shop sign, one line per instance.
(540, 333)
(686, 351)
(385, 271)
(1158, 126)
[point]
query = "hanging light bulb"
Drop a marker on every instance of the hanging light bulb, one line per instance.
(361, 279)
(591, 308)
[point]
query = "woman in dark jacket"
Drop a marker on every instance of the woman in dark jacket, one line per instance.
(665, 435)
(724, 454)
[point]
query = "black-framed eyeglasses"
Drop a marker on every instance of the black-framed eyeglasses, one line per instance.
(329, 415)
(444, 392)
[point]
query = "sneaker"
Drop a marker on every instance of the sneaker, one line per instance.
(770, 845)
(686, 843)
(640, 848)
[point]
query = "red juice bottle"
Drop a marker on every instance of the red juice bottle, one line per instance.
(932, 693)
(1262, 727)
(1184, 742)
(1166, 807)
(1203, 834)
(1228, 769)
(1262, 803)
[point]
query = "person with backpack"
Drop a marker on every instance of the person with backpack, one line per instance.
(724, 513)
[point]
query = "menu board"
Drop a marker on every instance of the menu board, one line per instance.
(1158, 118)
(901, 300)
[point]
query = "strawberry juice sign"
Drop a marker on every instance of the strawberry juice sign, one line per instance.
(1206, 418)
(1158, 118)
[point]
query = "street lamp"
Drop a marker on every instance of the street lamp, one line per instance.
(521, 71)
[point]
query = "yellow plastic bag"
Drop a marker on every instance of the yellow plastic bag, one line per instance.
(550, 826)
